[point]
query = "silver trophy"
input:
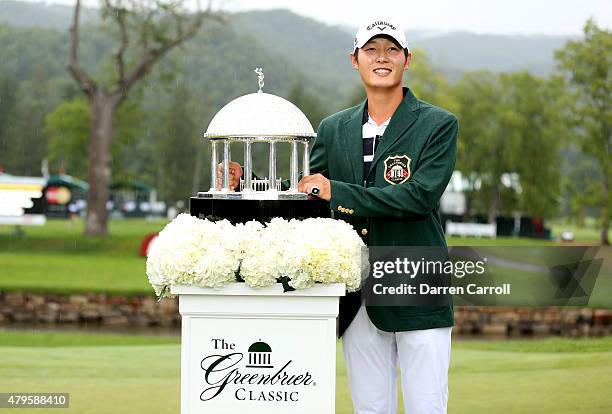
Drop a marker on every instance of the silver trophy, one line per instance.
(252, 118)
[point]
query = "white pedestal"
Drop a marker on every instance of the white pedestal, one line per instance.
(247, 350)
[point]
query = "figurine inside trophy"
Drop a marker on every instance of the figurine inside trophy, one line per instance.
(253, 119)
(259, 118)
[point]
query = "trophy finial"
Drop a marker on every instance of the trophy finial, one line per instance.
(260, 78)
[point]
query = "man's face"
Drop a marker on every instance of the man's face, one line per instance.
(381, 63)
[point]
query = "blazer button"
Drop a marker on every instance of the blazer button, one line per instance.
(364, 232)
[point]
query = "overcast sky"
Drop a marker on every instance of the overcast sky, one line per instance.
(480, 16)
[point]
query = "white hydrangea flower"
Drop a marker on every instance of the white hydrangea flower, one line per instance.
(191, 251)
(198, 252)
(334, 250)
(263, 251)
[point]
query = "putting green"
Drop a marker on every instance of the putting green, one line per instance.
(538, 376)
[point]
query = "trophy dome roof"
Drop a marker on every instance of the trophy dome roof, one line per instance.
(259, 114)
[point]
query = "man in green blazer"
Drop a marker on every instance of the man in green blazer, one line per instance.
(383, 166)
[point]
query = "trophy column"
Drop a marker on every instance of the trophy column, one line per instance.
(248, 167)
(226, 159)
(294, 167)
(306, 160)
(214, 160)
(272, 167)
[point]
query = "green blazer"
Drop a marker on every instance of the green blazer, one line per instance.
(397, 204)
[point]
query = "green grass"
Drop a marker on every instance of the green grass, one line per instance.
(587, 233)
(101, 380)
(500, 382)
(57, 258)
(35, 339)
(111, 374)
(71, 273)
(499, 241)
(548, 345)
(66, 237)
(77, 263)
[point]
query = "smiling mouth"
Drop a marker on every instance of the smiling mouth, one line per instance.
(382, 71)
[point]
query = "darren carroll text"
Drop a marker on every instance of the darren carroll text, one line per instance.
(425, 289)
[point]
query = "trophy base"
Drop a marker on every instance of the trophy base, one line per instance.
(253, 195)
(240, 210)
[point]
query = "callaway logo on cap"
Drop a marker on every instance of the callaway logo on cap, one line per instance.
(378, 27)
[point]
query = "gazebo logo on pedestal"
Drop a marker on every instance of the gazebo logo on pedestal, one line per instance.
(260, 355)
(221, 371)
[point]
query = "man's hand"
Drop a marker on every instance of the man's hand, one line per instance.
(307, 183)
(235, 173)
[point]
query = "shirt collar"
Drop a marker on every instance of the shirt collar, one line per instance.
(365, 116)
(373, 123)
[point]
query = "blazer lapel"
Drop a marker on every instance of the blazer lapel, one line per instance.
(401, 121)
(353, 142)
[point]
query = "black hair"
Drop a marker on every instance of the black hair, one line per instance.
(384, 36)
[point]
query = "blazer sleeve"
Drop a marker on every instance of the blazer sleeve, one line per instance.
(416, 197)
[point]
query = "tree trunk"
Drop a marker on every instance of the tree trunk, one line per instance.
(605, 213)
(493, 203)
(469, 199)
(468, 206)
(605, 241)
(197, 173)
(103, 108)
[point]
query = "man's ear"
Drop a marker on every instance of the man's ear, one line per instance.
(354, 61)
(408, 61)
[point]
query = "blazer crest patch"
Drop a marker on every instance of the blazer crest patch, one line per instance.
(397, 169)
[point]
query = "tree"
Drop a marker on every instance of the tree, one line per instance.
(307, 103)
(587, 63)
(511, 126)
(428, 83)
(67, 130)
(144, 33)
(8, 98)
(535, 118)
(24, 145)
(483, 144)
(177, 145)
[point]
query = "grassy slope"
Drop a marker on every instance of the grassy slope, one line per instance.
(549, 376)
(493, 381)
(77, 263)
(36, 339)
(73, 273)
(66, 237)
(111, 264)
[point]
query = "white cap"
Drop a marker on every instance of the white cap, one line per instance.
(377, 27)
